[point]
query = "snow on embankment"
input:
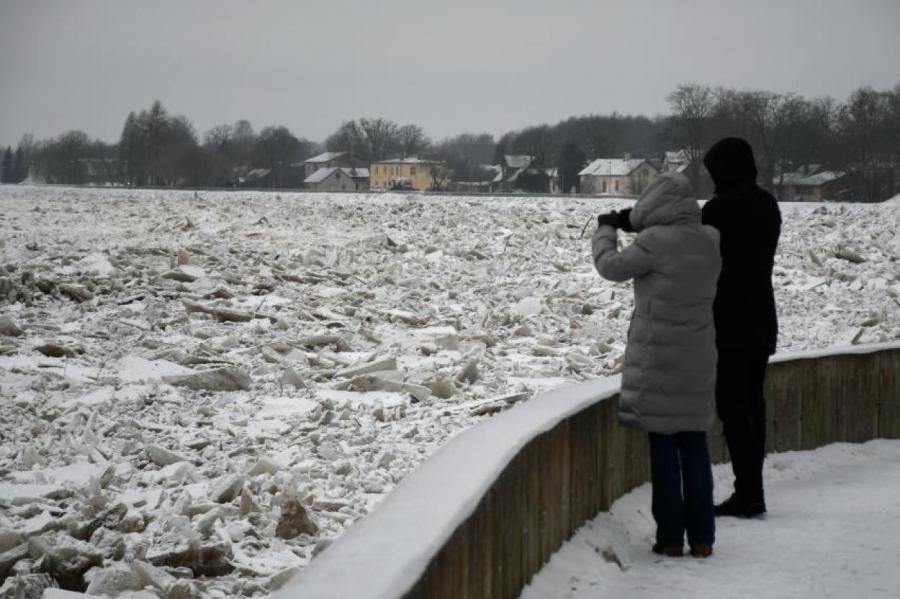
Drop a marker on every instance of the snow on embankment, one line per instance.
(220, 383)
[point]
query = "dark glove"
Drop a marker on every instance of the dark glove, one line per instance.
(609, 218)
(623, 220)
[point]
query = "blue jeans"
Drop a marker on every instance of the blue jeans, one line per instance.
(682, 489)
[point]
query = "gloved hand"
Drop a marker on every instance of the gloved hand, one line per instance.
(609, 218)
(623, 220)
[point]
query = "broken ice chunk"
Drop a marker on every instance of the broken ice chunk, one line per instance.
(229, 378)
(528, 306)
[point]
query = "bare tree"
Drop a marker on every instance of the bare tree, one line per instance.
(816, 142)
(412, 140)
(775, 117)
(692, 106)
(218, 137)
(537, 142)
(470, 148)
(276, 149)
(865, 126)
(352, 139)
(383, 137)
(465, 156)
(243, 142)
(438, 173)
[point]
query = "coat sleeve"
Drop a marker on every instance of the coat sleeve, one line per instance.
(613, 265)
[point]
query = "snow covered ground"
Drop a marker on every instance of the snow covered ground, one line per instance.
(831, 531)
(225, 381)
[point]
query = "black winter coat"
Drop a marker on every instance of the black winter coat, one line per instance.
(749, 224)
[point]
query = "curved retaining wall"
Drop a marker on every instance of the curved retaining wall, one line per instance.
(484, 513)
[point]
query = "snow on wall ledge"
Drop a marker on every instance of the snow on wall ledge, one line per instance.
(385, 554)
(846, 350)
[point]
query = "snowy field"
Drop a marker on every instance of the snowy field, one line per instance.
(831, 531)
(214, 385)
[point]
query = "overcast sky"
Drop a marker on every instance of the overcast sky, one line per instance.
(450, 66)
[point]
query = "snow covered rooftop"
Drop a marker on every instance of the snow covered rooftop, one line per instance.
(323, 173)
(517, 160)
(513, 177)
(356, 173)
(257, 173)
(325, 157)
(677, 156)
(612, 167)
(494, 168)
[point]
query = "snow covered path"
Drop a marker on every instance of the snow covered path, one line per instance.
(833, 530)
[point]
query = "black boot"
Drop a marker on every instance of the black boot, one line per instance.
(668, 551)
(740, 508)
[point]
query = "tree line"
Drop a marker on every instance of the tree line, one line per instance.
(860, 135)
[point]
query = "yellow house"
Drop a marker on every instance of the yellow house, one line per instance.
(407, 173)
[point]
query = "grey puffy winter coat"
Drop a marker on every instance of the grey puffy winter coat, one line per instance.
(669, 377)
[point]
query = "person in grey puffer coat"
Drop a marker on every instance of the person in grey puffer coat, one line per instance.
(669, 376)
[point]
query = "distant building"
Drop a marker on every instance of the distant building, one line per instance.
(257, 177)
(491, 180)
(617, 176)
(326, 160)
(514, 162)
(496, 180)
(520, 172)
(513, 167)
(811, 183)
(407, 173)
(338, 178)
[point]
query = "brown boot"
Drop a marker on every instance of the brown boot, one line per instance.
(701, 551)
(673, 551)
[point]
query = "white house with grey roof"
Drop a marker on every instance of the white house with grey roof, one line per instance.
(324, 160)
(513, 166)
(811, 183)
(338, 178)
(617, 176)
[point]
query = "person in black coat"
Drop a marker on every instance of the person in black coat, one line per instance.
(749, 223)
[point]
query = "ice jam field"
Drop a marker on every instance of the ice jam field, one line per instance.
(199, 390)
(831, 531)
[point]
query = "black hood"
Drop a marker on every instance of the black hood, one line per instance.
(730, 163)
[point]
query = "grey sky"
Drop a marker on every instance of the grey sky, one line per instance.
(452, 66)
